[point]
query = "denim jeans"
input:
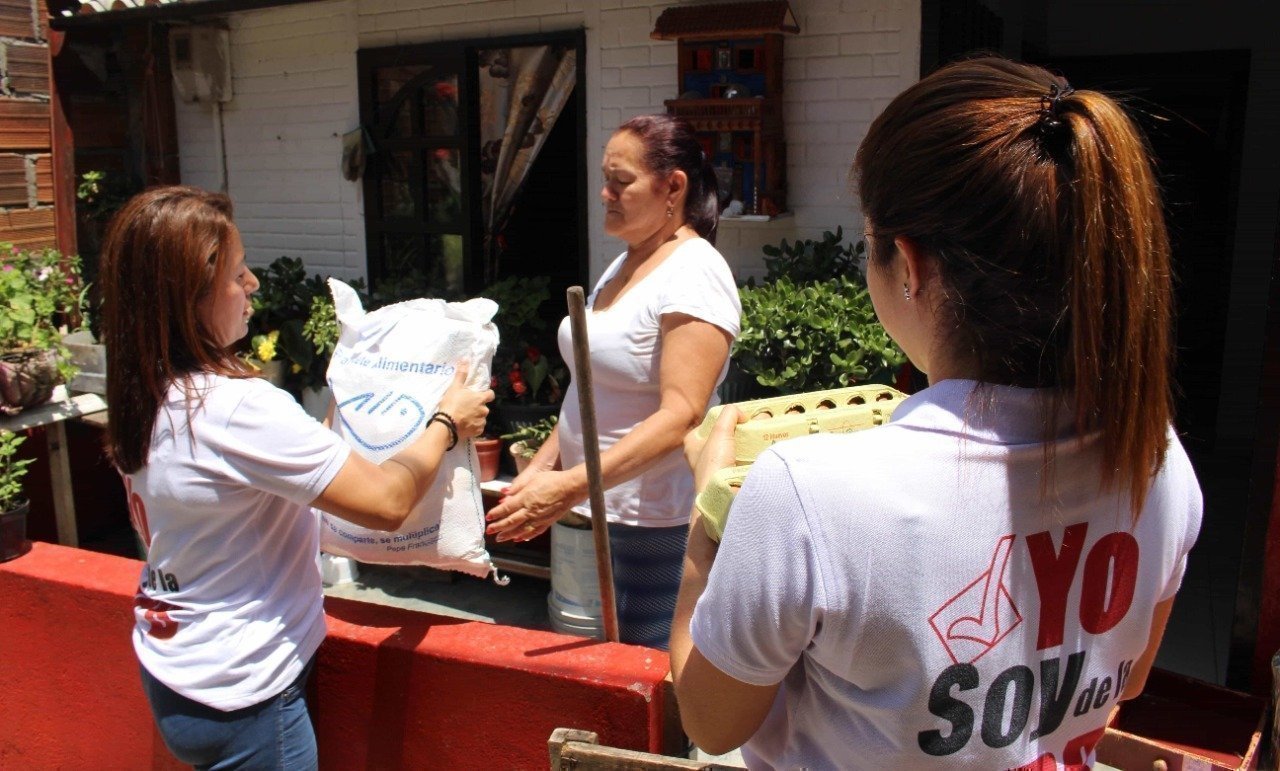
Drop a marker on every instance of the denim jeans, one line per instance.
(275, 734)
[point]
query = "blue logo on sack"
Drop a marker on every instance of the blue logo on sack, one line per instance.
(399, 415)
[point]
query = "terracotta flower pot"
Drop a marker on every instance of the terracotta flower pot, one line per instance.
(13, 532)
(27, 379)
(489, 451)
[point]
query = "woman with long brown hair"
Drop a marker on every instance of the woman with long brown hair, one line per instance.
(980, 581)
(221, 469)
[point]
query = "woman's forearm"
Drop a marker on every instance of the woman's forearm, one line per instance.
(646, 444)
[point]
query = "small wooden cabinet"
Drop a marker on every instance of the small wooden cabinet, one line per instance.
(729, 80)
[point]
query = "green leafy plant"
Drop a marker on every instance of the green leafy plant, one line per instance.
(532, 436)
(522, 372)
(310, 348)
(12, 471)
(40, 296)
(813, 335)
(284, 305)
(100, 194)
(810, 260)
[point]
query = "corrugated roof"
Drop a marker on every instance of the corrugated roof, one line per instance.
(723, 19)
(102, 6)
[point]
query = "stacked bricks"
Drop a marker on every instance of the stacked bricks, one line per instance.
(26, 173)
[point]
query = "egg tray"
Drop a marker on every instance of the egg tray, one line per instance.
(772, 420)
(834, 411)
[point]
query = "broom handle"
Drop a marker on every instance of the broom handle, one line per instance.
(591, 449)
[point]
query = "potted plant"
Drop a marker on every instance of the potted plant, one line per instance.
(810, 325)
(13, 503)
(298, 309)
(528, 383)
(263, 356)
(41, 292)
(525, 441)
(310, 352)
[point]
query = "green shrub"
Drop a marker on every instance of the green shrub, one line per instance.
(812, 335)
(810, 260)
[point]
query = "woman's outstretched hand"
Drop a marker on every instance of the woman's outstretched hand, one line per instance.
(468, 408)
(534, 505)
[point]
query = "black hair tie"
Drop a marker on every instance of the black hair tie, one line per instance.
(1051, 106)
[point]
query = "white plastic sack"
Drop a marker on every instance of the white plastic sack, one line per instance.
(388, 373)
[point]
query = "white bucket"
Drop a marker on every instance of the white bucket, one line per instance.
(574, 602)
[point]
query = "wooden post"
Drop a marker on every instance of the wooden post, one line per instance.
(591, 449)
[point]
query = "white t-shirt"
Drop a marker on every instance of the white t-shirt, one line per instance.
(626, 352)
(920, 602)
(230, 605)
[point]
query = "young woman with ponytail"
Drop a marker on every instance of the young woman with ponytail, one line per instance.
(661, 320)
(979, 582)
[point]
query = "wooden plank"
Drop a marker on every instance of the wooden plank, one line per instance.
(580, 750)
(16, 19)
(13, 180)
(27, 67)
(64, 502)
(44, 179)
(63, 152)
(24, 125)
(29, 228)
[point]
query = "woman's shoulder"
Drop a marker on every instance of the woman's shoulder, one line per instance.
(699, 249)
(220, 395)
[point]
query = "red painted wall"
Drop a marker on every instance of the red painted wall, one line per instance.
(393, 688)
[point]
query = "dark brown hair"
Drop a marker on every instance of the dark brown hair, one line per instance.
(162, 253)
(670, 145)
(1040, 207)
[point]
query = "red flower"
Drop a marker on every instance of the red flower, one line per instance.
(533, 353)
(519, 387)
(446, 90)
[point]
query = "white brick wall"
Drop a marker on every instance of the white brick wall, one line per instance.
(295, 95)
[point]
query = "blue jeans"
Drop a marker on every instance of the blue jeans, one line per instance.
(275, 734)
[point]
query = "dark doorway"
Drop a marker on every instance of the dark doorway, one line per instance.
(541, 237)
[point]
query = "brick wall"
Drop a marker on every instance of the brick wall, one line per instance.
(26, 176)
(295, 86)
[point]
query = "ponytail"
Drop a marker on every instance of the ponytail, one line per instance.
(1120, 298)
(702, 204)
(1039, 207)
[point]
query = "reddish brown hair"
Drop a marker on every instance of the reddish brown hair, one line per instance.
(1044, 218)
(162, 253)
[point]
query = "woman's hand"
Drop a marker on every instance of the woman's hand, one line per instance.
(466, 406)
(533, 503)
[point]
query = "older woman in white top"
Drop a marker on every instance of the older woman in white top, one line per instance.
(661, 321)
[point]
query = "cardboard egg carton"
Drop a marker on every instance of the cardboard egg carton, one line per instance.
(775, 419)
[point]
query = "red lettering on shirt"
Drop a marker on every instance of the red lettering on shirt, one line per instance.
(1112, 562)
(137, 512)
(1055, 569)
(156, 613)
